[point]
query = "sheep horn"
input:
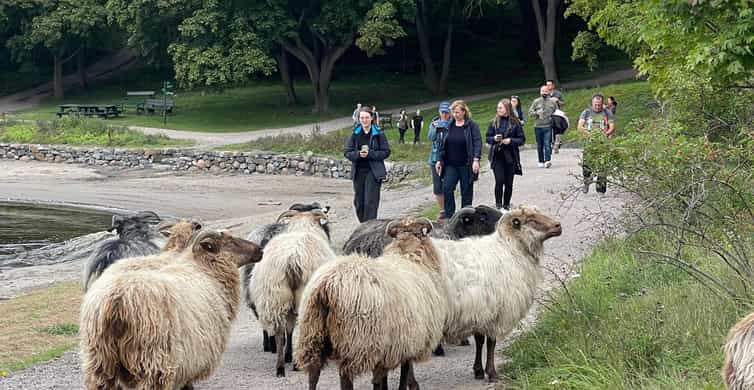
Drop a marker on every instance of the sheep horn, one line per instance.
(286, 214)
(389, 226)
(427, 222)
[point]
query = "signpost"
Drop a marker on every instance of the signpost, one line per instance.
(167, 90)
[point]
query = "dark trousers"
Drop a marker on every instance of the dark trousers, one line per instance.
(450, 178)
(417, 133)
(402, 134)
(503, 183)
(601, 185)
(366, 199)
(544, 143)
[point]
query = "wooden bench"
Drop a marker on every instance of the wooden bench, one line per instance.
(150, 106)
(100, 110)
(133, 98)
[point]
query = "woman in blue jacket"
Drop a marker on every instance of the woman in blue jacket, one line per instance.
(367, 148)
(505, 135)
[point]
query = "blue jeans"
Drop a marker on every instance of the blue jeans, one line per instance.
(450, 178)
(544, 146)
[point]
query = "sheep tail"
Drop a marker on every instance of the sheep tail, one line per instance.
(314, 346)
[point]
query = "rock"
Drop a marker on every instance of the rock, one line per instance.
(201, 164)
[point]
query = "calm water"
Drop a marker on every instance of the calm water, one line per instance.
(29, 225)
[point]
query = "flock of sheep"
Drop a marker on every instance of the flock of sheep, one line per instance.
(161, 320)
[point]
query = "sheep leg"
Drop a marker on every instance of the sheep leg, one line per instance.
(412, 383)
(346, 383)
(407, 377)
(280, 335)
(379, 378)
(491, 371)
(478, 370)
(314, 371)
(188, 386)
(273, 343)
(439, 351)
(265, 341)
(289, 347)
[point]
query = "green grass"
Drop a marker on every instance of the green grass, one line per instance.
(261, 103)
(77, 131)
(625, 324)
(632, 98)
(62, 329)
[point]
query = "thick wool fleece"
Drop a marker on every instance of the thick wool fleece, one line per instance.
(738, 369)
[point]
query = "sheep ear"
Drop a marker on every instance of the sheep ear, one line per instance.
(326, 209)
(197, 226)
(516, 223)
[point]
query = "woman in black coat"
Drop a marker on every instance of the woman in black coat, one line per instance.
(367, 148)
(505, 135)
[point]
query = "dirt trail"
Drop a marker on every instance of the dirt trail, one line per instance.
(232, 201)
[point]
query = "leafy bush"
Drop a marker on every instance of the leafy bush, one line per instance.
(81, 131)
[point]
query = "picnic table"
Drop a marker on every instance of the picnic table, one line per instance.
(135, 98)
(100, 110)
(150, 106)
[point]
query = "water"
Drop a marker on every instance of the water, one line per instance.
(28, 226)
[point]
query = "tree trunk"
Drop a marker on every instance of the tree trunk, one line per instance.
(57, 77)
(81, 68)
(285, 78)
(446, 54)
(319, 63)
(422, 32)
(546, 28)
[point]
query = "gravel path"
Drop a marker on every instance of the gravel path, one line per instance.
(232, 201)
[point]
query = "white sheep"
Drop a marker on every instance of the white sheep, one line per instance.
(375, 314)
(275, 286)
(162, 321)
(492, 280)
(738, 369)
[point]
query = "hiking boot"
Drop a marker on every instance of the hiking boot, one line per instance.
(498, 206)
(442, 218)
(541, 165)
(548, 164)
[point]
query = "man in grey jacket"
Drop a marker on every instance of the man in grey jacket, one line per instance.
(541, 110)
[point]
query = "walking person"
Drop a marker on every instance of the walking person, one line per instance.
(375, 116)
(402, 126)
(458, 158)
(355, 115)
(505, 135)
(518, 111)
(367, 148)
(541, 110)
(560, 124)
(554, 93)
(438, 128)
(596, 118)
(416, 123)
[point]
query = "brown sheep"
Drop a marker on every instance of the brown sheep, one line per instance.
(163, 327)
(738, 369)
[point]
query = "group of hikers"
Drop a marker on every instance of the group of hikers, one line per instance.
(456, 152)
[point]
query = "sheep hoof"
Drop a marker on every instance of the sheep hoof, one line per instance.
(493, 378)
(280, 372)
(465, 343)
(439, 351)
(288, 359)
(478, 374)
(295, 367)
(187, 386)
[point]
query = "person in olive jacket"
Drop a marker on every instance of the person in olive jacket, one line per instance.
(458, 157)
(367, 148)
(504, 135)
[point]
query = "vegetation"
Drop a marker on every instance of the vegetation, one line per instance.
(38, 326)
(77, 131)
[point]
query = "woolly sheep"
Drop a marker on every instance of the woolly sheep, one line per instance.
(276, 284)
(261, 236)
(375, 315)
(369, 238)
(163, 326)
(738, 369)
(135, 238)
(492, 279)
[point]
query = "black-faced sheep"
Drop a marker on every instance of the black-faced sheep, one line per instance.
(136, 237)
(738, 369)
(375, 315)
(261, 236)
(163, 330)
(492, 280)
(369, 238)
(276, 284)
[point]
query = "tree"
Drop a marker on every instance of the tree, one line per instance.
(704, 40)
(61, 26)
(547, 27)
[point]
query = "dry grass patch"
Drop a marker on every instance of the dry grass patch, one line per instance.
(39, 326)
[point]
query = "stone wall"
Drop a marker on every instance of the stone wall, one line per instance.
(192, 160)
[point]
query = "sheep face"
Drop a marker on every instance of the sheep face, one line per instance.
(216, 247)
(134, 226)
(318, 217)
(529, 226)
(473, 221)
(179, 234)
